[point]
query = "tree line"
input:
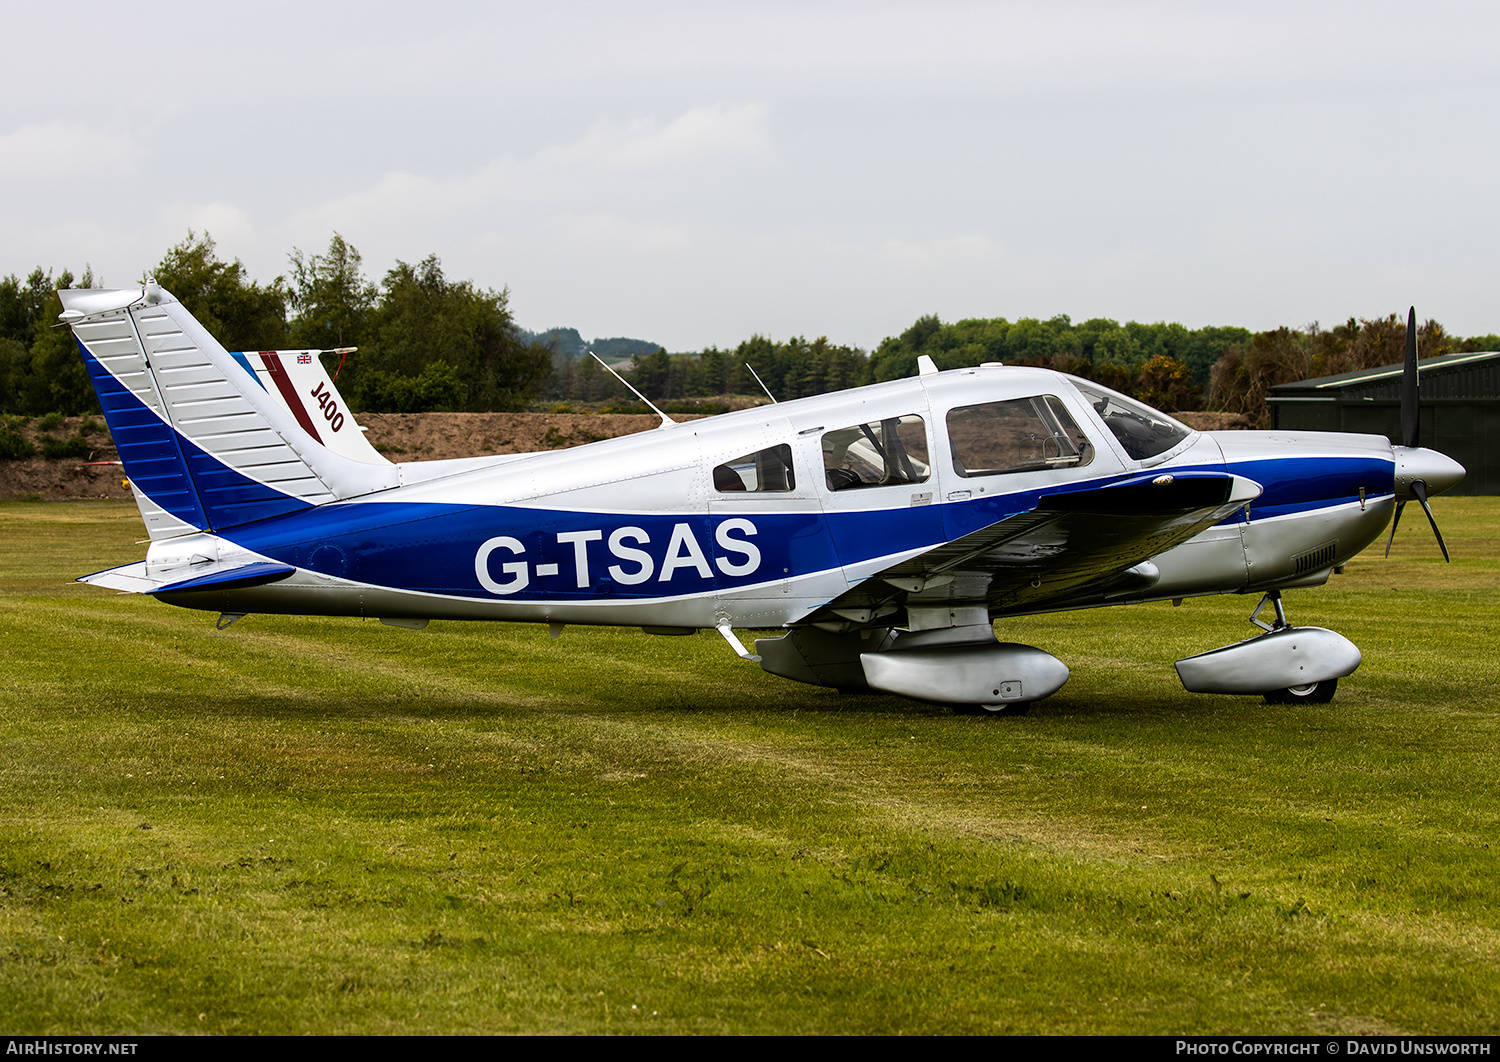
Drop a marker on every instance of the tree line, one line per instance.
(427, 342)
(1165, 364)
(791, 369)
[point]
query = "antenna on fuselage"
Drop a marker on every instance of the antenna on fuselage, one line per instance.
(666, 421)
(762, 383)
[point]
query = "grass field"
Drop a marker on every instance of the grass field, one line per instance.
(332, 826)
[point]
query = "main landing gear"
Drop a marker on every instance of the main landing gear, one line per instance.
(1008, 708)
(1306, 693)
(1312, 693)
(1285, 665)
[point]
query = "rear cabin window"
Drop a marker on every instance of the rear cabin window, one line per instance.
(1019, 435)
(881, 453)
(762, 472)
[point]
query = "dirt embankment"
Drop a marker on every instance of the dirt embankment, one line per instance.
(93, 472)
(437, 436)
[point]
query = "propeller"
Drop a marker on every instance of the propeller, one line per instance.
(1411, 410)
(1419, 488)
(1411, 431)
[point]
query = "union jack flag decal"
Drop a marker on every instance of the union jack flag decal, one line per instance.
(304, 359)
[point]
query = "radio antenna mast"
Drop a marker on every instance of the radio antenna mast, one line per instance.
(762, 383)
(666, 421)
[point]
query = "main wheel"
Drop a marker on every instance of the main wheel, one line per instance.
(1312, 693)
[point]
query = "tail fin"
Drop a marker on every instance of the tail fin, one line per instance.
(203, 441)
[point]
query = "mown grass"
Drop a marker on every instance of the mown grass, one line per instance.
(330, 826)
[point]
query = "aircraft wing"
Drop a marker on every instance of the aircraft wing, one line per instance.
(1069, 545)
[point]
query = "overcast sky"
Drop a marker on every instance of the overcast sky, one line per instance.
(692, 173)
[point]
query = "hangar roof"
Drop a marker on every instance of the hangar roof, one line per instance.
(1472, 375)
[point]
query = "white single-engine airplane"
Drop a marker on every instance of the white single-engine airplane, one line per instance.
(884, 527)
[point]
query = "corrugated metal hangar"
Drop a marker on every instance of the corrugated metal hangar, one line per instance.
(1460, 410)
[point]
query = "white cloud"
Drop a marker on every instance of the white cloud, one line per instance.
(693, 171)
(703, 137)
(72, 152)
(603, 185)
(226, 222)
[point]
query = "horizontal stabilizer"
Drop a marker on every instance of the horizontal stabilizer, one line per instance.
(257, 574)
(133, 579)
(128, 579)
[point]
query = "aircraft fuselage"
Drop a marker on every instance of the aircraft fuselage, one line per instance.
(633, 531)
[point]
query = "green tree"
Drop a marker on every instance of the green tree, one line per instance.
(1030, 341)
(435, 388)
(238, 312)
(1245, 373)
(331, 301)
(1167, 384)
(422, 317)
(652, 374)
(896, 357)
(1202, 347)
(23, 305)
(40, 368)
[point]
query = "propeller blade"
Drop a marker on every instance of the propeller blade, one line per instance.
(1394, 524)
(1411, 409)
(1419, 488)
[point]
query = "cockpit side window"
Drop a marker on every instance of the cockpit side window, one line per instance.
(1143, 432)
(1018, 435)
(881, 453)
(765, 471)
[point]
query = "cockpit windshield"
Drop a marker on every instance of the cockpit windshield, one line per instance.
(1143, 432)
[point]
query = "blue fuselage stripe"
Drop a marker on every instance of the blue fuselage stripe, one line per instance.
(537, 554)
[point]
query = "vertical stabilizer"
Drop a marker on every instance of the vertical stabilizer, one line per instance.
(199, 436)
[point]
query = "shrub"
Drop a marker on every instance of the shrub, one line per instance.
(14, 446)
(436, 388)
(74, 446)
